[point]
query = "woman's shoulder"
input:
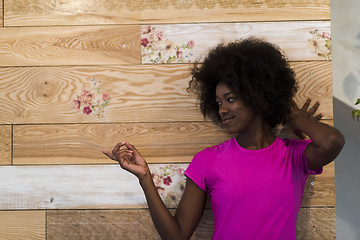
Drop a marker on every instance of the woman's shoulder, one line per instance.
(219, 148)
(294, 142)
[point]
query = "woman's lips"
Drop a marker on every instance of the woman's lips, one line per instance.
(227, 119)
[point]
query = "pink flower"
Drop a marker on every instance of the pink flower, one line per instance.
(106, 96)
(156, 178)
(190, 44)
(156, 35)
(326, 35)
(160, 190)
(180, 171)
(85, 97)
(179, 54)
(145, 29)
(144, 42)
(313, 42)
(76, 104)
(87, 110)
(167, 181)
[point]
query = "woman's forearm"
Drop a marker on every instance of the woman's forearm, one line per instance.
(327, 141)
(164, 222)
(320, 134)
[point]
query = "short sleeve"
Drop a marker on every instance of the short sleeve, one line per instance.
(197, 169)
(298, 149)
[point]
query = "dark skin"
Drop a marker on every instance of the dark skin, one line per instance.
(253, 133)
(327, 142)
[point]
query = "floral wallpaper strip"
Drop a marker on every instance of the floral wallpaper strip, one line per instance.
(92, 100)
(321, 43)
(169, 181)
(157, 48)
(183, 43)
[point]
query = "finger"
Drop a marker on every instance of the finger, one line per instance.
(293, 104)
(117, 148)
(306, 104)
(125, 158)
(131, 147)
(314, 108)
(125, 152)
(108, 154)
(319, 117)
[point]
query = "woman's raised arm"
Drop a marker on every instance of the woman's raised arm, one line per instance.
(191, 205)
(326, 141)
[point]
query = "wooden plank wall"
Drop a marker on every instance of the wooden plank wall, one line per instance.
(79, 76)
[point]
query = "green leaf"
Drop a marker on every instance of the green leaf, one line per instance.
(355, 113)
(357, 101)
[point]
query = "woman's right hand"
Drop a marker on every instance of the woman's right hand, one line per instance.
(129, 159)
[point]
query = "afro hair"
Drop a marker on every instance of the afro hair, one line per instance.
(255, 70)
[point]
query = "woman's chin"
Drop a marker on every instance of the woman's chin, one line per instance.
(230, 131)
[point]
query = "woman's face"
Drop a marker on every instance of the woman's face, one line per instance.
(235, 115)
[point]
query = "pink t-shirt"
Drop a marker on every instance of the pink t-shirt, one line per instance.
(255, 194)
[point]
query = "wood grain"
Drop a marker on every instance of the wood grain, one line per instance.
(82, 45)
(102, 224)
(50, 53)
(45, 94)
(5, 144)
(112, 224)
(316, 223)
(103, 187)
(313, 223)
(16, 225)
(1, 14)
(81, 143)
(32, 12)
(292, 37)
(320, 189)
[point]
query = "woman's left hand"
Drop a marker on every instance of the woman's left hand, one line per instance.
(307, 111)
(129, 159)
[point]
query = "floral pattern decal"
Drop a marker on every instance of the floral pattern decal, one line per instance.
(92, 101)
(169, 181)
(320, 42)
(156, 48)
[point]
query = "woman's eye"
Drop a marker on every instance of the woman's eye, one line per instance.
(231, 100)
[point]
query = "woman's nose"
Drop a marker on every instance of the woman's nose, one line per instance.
(223, 109)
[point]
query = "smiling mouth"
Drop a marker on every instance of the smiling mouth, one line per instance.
(228, 119)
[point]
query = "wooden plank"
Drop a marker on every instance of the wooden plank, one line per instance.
(1, 14)
(16, 225)
(316, 223)
(320, 189)
(67, 12)
(158, 93)
(315, 82)
(111, 224)
(90, 224)
(82, 45)
(180, 43)
(313, 223)
(81, 144)
(97, 187)
(46, 94)
(5, 144)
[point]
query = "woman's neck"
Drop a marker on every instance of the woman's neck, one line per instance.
(257, 137)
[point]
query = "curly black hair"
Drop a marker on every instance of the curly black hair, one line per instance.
(255, 70)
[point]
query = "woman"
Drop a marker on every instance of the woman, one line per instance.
(255, 180)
